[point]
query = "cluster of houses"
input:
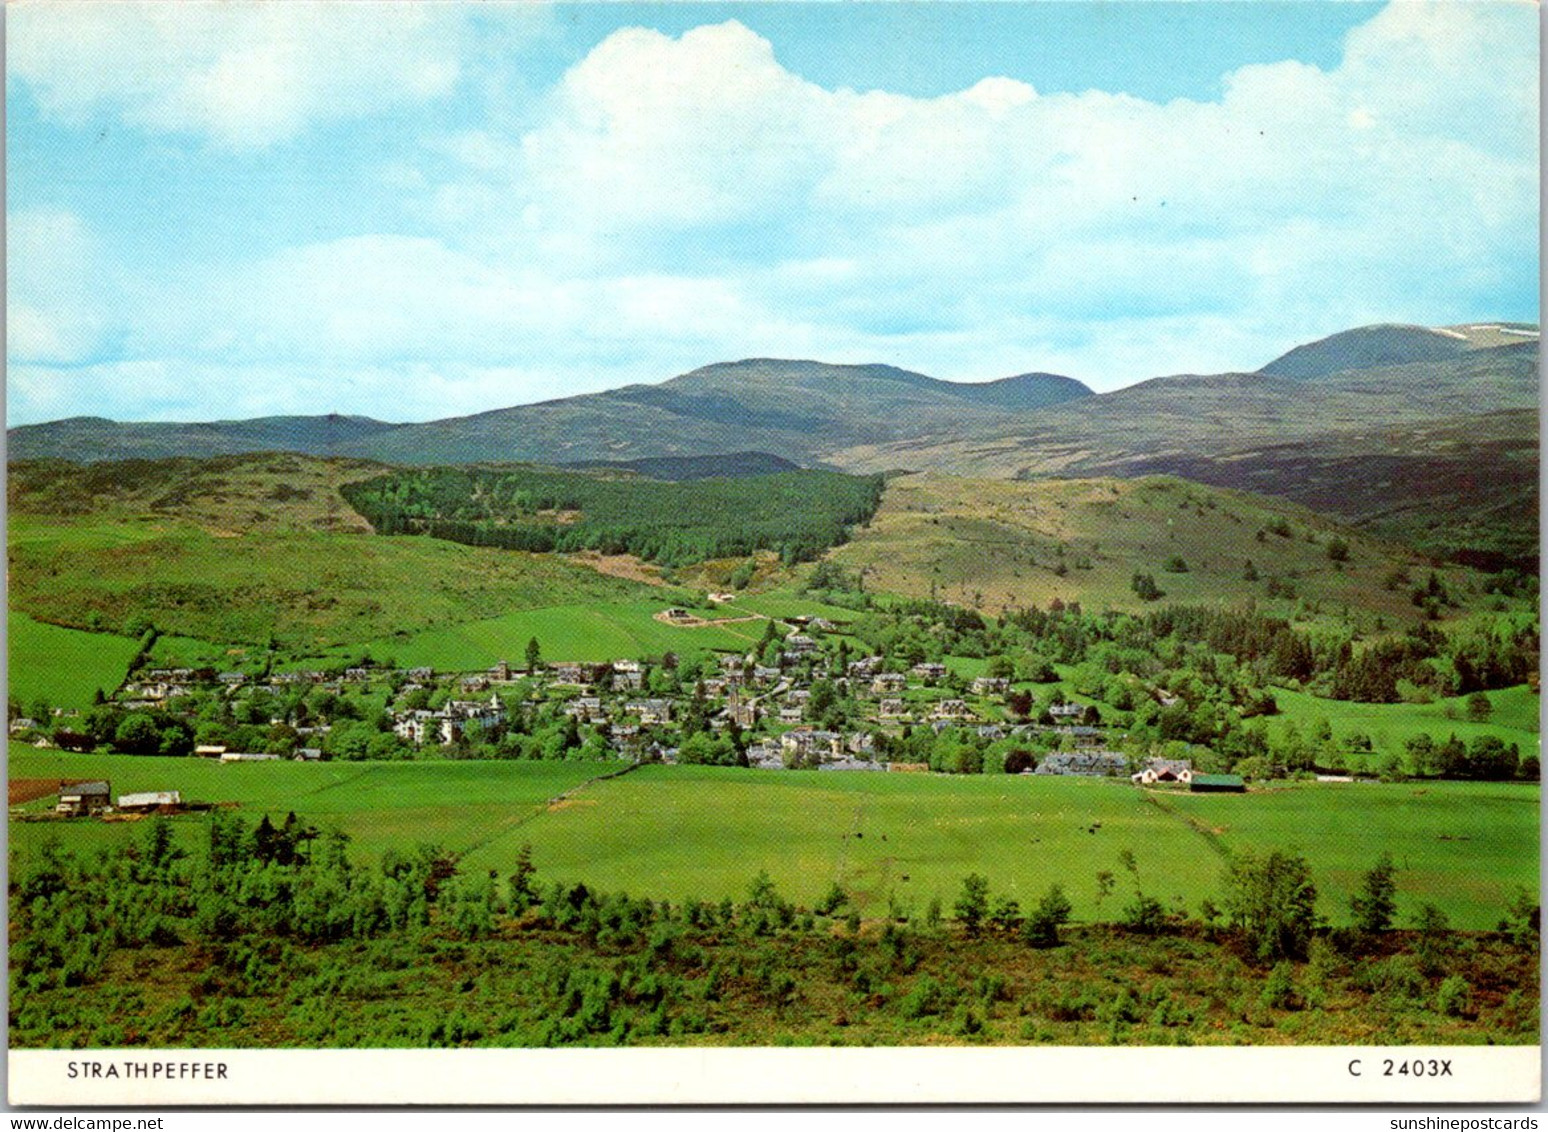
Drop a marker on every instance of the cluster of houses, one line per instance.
(769, 701)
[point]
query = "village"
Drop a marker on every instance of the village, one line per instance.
(799, 701)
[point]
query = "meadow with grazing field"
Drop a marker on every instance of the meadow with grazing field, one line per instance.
(891, 841)
(65, 667)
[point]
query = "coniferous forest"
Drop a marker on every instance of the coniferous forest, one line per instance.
(797, 514)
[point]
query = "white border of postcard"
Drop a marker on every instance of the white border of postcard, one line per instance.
(1143, 1075)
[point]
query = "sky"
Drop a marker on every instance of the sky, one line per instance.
(413, 211)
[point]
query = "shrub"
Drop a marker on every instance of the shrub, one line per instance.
(1522, 920)
(925, 998)
(832, 901)
(973, 905)
(1145, 588)
(1144, 914)
(1279, 988)
(1041, 928)
(1272, 901)
(1453, 999)
(1375, 904)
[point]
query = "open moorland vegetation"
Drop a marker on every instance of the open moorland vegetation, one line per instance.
(995, 544)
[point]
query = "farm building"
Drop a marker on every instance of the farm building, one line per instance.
(144, 803)
(1164, 770)
(78, 798)
(247, 757)
(1217, 784)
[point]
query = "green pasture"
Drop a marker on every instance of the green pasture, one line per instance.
(458, 805)
(1514, 719)
(64, 666)
(593, 632)
(1462, 846)
(784, 603)
(674, 832)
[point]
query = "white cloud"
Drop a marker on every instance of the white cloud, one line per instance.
(677, 201)
(244, 74)
(59, 287)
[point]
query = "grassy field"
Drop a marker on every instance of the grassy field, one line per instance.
(1459, 845)
(598, 631)
(460, 806)
(1514, 719)
(64, 666)
(685, 831)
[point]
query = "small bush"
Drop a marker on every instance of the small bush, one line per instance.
(1144, 914)
(1454, 998)
(1279, 988)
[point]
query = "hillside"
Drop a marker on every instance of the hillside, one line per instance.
(686, 468)
(223, 495)
(239, 550)
(86, 439)
(1427, 434)
(1372, 347)
(1464, 490)
(993, 544)
(797, 410)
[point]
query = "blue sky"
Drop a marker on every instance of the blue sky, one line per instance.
(415, 211)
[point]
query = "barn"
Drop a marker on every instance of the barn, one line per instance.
(1217, 784)
(77, 798)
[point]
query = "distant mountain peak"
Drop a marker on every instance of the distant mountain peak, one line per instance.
(1393, 344)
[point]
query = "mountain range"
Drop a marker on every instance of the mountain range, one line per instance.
(1367, 424)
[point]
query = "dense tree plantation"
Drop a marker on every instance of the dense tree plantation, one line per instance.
(797, 514)
(274, 934)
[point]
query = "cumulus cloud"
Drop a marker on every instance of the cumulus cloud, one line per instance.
(679, 200)
(1409, 169)
(243, 74)
(59, 288)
